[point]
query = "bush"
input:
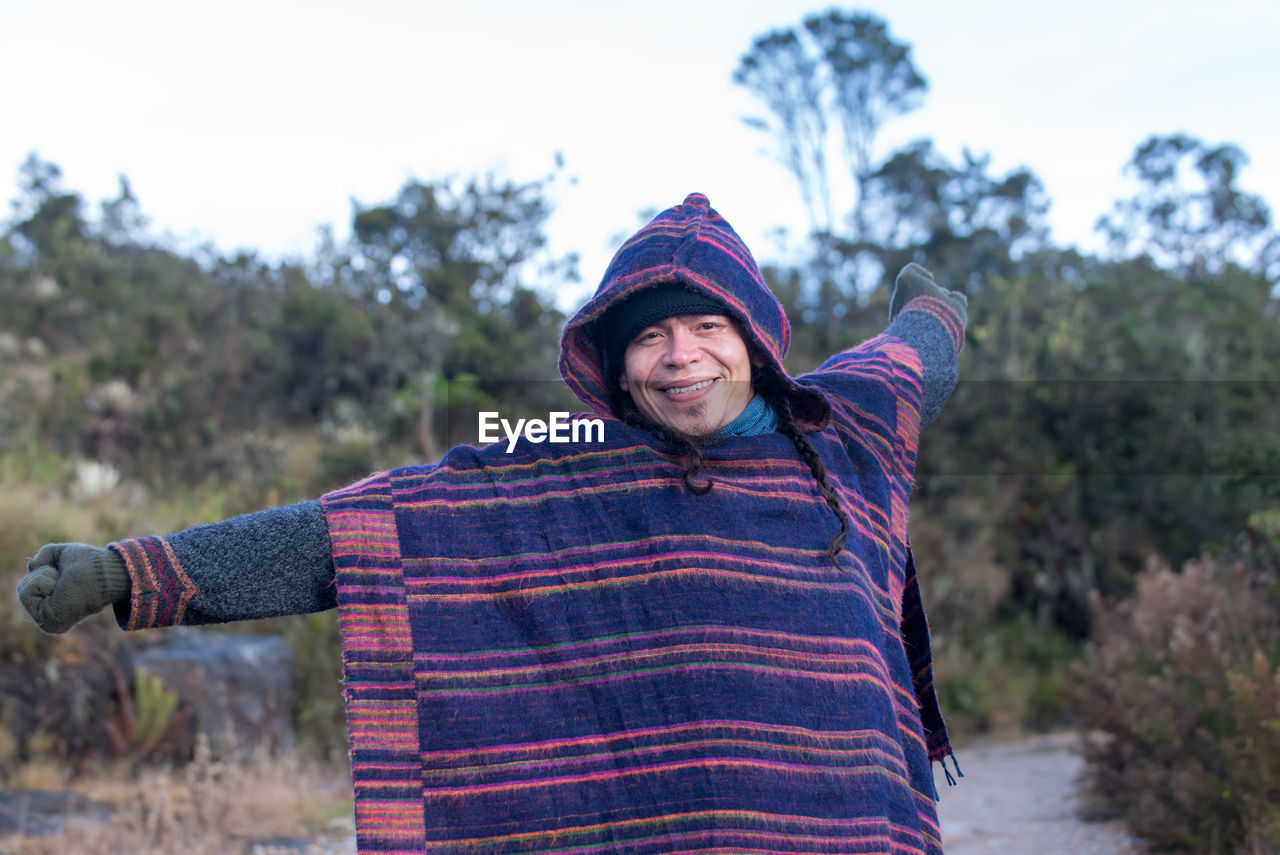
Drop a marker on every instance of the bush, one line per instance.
(1180, 698)
(998, 673)
(1004, 679)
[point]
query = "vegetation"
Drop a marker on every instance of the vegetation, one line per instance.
(208, 807)
(147, 391)
(1180, 693)
(1114, 410)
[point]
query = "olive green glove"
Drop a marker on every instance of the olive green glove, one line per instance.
(914, 281)
(67, 582)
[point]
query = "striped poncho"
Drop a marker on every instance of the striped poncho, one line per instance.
(562, 650)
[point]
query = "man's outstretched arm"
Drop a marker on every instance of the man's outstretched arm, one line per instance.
(267, 564)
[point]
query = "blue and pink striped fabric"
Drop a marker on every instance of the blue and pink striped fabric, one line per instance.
(561, 650)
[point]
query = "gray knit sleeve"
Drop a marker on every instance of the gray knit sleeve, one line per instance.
(924, 324)
(270, 563)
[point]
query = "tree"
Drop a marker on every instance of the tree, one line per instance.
(46, 215)
(842, 70)
(205, 361)
(966, 223)
(1189, 214)
(783, 72)
(453, 273)
(122, 219)
(969, 223)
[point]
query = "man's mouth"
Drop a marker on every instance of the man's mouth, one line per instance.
(692, 387)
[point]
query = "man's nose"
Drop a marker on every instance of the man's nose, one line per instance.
(682, 347)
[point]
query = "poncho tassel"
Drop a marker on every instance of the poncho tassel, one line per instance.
(951, 779)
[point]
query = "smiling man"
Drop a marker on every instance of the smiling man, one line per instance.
(689, 371)
(702, 633)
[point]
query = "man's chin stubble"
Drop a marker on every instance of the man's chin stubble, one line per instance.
(695, 414)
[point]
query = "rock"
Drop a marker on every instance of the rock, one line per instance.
(91, 478)
(59, 697)
(279, 844)
(238, 689)
(35, 348)
(30, 812)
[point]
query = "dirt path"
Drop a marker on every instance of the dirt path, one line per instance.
(1020, 797)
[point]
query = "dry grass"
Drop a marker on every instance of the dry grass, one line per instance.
(210, 806)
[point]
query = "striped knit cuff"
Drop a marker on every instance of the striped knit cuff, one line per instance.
(162, 590)
(951, 319)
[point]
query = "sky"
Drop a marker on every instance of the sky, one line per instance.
(251, 123)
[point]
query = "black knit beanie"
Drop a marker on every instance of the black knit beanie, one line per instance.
(625, 320)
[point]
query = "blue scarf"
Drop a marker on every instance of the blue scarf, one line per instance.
(758, 418)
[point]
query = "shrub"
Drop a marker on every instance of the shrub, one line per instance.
(996, 673)
(1004, 679)
(1180, 701)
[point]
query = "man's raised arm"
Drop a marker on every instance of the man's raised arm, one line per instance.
(932, 320)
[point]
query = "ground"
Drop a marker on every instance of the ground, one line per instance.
(1021, 797)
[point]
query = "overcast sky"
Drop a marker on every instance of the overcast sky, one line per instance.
(250, 124)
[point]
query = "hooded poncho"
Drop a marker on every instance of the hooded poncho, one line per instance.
(560, 649)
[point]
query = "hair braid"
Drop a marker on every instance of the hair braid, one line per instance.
(788, 428)
(682, 443)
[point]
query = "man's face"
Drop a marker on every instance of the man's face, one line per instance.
(689, 372)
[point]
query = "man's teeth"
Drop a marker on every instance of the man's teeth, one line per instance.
(683, 390)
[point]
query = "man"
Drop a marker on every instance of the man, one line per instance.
(701, 633)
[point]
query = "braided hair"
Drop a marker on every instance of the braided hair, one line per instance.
(684, 444)
(768, 386)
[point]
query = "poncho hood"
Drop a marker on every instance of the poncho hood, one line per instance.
(689, 244)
